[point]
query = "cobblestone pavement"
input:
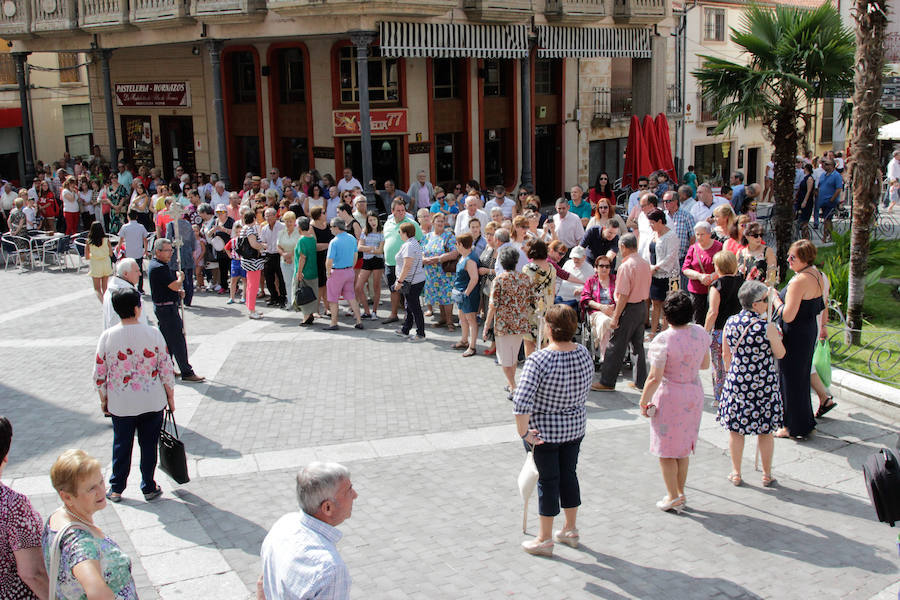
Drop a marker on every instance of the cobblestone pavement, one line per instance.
(430, 442)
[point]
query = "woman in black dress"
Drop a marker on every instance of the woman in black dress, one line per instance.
(323, 235)
(799, 305)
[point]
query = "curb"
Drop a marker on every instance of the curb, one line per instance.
(860, 390)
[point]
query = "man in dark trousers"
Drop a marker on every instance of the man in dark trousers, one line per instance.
(166, 292)
(632, 291)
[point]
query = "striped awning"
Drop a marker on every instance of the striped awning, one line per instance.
(592, 42)
(451, 40)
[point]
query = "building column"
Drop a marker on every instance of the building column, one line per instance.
(361, 41)
(526, 177)
(214, 47)
(108, 104)
(21, 58)
(658, 91)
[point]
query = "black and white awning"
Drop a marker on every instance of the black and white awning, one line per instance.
(451, 40)
(592, 42)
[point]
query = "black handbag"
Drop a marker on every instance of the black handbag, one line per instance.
(304, 295)
(245, 250)
(172, 458)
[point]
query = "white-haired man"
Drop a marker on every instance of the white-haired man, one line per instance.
(300, 558)
(128, 273)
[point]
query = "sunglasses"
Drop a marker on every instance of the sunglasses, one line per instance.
(602, 266)
(642, 186)
(604, 179)
(439, 197)
(752, 235)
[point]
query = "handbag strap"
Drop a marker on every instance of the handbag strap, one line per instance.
(168, 416)
(56, 554)
(744, 332)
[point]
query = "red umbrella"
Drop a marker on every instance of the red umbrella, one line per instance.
(637, 161)
(652, 143)
(665, 146)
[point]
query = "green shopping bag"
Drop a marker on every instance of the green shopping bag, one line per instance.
(822, 361)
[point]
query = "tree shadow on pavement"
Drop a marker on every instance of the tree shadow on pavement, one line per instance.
(647, 583)
(225, 528)
(823, 548)
(197, 444)
(832, 501)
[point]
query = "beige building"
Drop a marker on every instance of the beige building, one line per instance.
(60, 118)
(460, 88)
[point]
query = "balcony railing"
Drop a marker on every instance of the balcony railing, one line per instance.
(673, 102)
(575, 10)
(53, 17)
(103, 15)
(159, 13)
(610, 105)
(639, 11)
(228, 11)
(499, 10)
(393, 8)
(15, 20)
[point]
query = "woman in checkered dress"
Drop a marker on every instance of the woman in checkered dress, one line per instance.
(550, 414)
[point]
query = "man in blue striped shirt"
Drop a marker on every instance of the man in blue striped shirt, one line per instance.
(300, 559)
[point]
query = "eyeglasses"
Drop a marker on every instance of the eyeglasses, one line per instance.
(603, 266)
(671, 200)
(763, 299)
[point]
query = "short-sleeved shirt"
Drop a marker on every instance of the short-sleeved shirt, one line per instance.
(829, 183)
(633, 279)
(342, 251)
(392, 239)
(79, 545)
(411, 249)
(307, 247)
(160, 276)
(512, 296)
(134, 234)
(583, 210)
(700, 260)
(21, 529)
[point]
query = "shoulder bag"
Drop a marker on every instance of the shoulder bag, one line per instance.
(172, 457)
(245, 250)
(304, 294)
(449, 266)
(56, 554)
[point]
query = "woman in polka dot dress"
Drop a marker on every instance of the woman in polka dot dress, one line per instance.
(751, 395)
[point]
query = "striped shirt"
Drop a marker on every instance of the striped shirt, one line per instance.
(553, 389)
(300, 560)
(682, 223)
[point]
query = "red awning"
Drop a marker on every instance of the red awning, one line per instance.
(10, 117)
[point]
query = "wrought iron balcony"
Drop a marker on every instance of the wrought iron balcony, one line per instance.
(390, 8)
(575, 10)
(228, 11)
(15, 20)
(502, 11)
(103, 15)
(639, 11)
(610, 105)
(53, 17)
(148, 14)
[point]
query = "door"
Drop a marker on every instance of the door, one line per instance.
(177, 136)
(752, 175)
(385, 161)
(138, 137)
(546, 172)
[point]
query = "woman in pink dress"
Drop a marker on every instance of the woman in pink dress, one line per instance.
(674, 392)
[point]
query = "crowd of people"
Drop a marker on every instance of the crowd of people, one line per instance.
(679, 270)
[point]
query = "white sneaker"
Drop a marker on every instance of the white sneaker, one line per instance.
(255, 315)
(218, 288)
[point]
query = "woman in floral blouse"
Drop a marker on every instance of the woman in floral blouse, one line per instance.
(543, 282)
(91, 564)
(510, 309)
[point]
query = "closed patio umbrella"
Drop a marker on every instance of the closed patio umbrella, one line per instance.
(637, 161)
(652, 142)
(665, 146)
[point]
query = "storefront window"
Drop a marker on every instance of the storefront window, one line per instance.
(446, 152)
(445, 78)
(494, 157)
(243, 79)
(711, 164)
(138, 138)
(545, 71)
(384, 86)
(295, 154)
(290, 80)
(494, 78)
(77, 129)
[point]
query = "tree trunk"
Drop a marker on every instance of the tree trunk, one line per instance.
(870, 25)
(785, 143)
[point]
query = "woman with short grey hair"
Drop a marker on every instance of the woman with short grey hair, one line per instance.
(699, 268)
(751, 394)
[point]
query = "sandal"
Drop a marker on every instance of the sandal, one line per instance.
(824, 408)
(113, 496)
(460, 345)
(782, 433)
(451, 327)
(470, 352)
(735, 479)
(768, 480)
(490, 351)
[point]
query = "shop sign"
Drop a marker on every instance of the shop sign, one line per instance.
(346, 122)
(177, 93)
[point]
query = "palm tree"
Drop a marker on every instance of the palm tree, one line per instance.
(871, 21)
(794, 56)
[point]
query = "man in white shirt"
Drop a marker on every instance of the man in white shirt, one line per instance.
(300, 558)
(275, 181)
(135, 237)
(640, 224)
(706, 203)
(893, 179)
(502, 237)
(818, 171)
(7, 198)
(501, 201)
(268, 235)
(634, 198)
(218, 197)
(569, 229)
(472, 212)
(128, 273)
(348, 182)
